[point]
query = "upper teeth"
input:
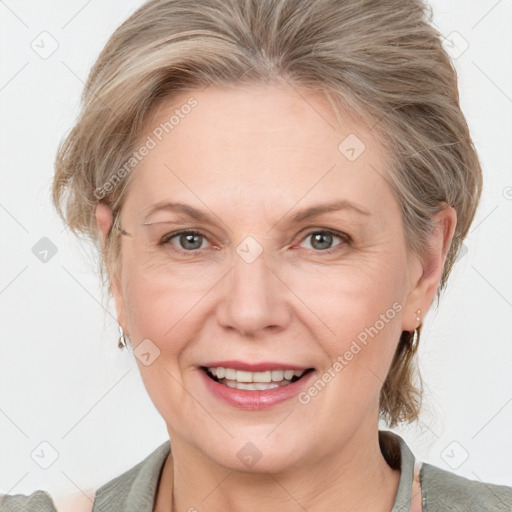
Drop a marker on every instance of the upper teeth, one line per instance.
(243, 376)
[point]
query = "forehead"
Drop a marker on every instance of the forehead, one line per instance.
(258, 146)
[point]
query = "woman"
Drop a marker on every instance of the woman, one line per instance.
(279, 190)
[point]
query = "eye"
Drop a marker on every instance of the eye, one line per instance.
(322, 240)
(192, 241)
(186, 240)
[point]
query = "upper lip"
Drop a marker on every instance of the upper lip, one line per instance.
(254, 367)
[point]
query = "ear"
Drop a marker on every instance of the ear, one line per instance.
(425, 272)
(104, 222)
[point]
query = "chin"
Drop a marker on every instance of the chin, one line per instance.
(253, 454)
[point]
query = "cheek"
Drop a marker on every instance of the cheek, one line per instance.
(360, 308)
(158, 299)
(164, 315)
(352, 296)
(157, 311)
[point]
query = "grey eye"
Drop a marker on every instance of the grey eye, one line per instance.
(191, 241)
(321, 240)
(187, 240)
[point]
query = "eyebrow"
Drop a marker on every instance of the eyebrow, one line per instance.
(300, 216)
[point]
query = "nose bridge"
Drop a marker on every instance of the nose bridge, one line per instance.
(253, 299)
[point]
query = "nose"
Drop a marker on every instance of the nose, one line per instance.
(254, 299)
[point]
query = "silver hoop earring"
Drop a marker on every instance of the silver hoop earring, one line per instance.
(123, 339)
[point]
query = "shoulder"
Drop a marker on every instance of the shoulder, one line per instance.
(134, 489)
(443, 490)
(38, 501)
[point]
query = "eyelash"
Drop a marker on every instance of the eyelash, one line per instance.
(345, 239)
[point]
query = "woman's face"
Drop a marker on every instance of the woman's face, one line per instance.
(272, 280)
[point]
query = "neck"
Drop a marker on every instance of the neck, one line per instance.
(353, 478)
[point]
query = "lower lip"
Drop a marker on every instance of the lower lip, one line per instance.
(258, 399)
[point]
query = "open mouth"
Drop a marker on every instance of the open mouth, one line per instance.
(254, 381)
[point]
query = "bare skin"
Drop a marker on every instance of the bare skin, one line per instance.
(76, 502)
(416, 505)
(251, 158)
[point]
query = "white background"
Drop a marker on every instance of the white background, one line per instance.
(62, 379)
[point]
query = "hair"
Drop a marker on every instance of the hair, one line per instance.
(380, 59)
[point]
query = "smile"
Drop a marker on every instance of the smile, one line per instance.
(254, 381)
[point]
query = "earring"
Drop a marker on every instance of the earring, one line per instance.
(416, 333)
(414, 340)
(123, 339)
